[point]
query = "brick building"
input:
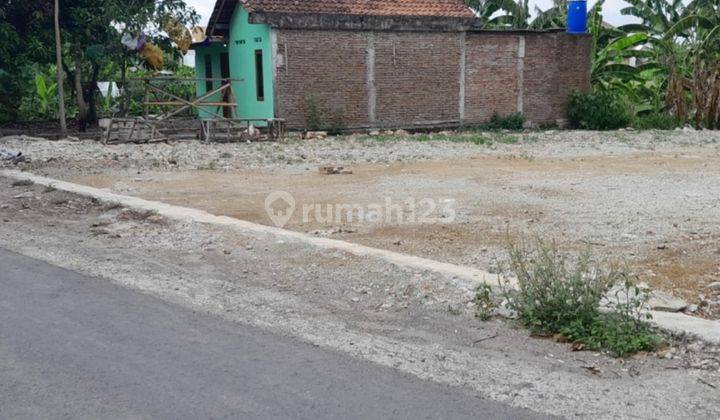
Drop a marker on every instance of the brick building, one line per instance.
(386, 63)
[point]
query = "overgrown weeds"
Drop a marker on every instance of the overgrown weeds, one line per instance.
(484, 302)
(322, 117)
(656, 121)
(511, 122)
(559, 295)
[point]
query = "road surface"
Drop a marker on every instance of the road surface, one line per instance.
(73, 346)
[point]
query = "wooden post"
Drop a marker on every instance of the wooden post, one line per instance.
(146, 107)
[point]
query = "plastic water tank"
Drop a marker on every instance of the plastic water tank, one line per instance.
(577, 17)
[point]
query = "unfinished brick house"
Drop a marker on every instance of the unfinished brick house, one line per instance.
(386, 63)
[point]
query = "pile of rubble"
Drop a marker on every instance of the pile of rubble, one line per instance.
(12, 156)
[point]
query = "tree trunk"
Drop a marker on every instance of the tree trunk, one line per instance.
(60, 79)
(79, 97)
(90, 95)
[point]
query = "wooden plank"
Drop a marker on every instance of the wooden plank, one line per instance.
(196, 104)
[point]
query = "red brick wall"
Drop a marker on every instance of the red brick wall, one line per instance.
(574, 64)
(417, 78)
(540, 93)
(330, 66)
(417, 75)
(491, 78)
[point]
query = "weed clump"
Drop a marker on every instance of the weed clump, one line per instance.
(557, 295)
(320, 117)
(512, 122)
(484, 302)
(656, 121)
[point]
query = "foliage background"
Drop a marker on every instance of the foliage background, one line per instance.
(92, 51)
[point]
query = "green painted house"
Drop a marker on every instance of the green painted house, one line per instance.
(243, 56)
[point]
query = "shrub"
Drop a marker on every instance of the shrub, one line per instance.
(598, 111)
(556, 295)
(335, 120)
(318, 117)
(313, 114)
(549, 126)
(655, 121)
(514, 122)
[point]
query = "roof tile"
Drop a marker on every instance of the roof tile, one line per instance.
(428, 8)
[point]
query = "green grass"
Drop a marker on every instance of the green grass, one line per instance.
(480, 139)
(506, 138)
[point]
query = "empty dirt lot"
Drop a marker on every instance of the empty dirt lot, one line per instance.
(651, 199)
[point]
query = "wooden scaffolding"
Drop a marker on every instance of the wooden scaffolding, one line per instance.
(218, 120)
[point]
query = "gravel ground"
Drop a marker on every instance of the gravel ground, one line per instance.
(649, 198)
(413, 321)
(296, 154)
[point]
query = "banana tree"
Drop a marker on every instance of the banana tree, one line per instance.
(554, 17)
(699, 30)
(619, 54)
(501, 13)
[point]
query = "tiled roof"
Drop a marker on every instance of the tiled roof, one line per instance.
(427, 8)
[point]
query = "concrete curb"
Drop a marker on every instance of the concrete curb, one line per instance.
(467, 278)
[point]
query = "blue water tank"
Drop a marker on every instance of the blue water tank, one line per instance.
(577, 17)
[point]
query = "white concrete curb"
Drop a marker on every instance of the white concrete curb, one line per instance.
(467, 278)
(678, 322)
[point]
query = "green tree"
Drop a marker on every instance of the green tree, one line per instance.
(91, 42)
(685, 42)
(25, 40)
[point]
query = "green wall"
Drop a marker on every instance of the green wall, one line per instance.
(245, 39)
(213, 51)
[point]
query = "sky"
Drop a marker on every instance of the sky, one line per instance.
(611, 11)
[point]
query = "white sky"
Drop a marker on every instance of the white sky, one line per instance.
(611, 11)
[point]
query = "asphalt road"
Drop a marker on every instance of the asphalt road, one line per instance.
(78, 347)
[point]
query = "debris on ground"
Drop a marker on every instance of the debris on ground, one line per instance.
(309, 135)
(11, 155)
(250, 134)
(23, 183)
(334, 170)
